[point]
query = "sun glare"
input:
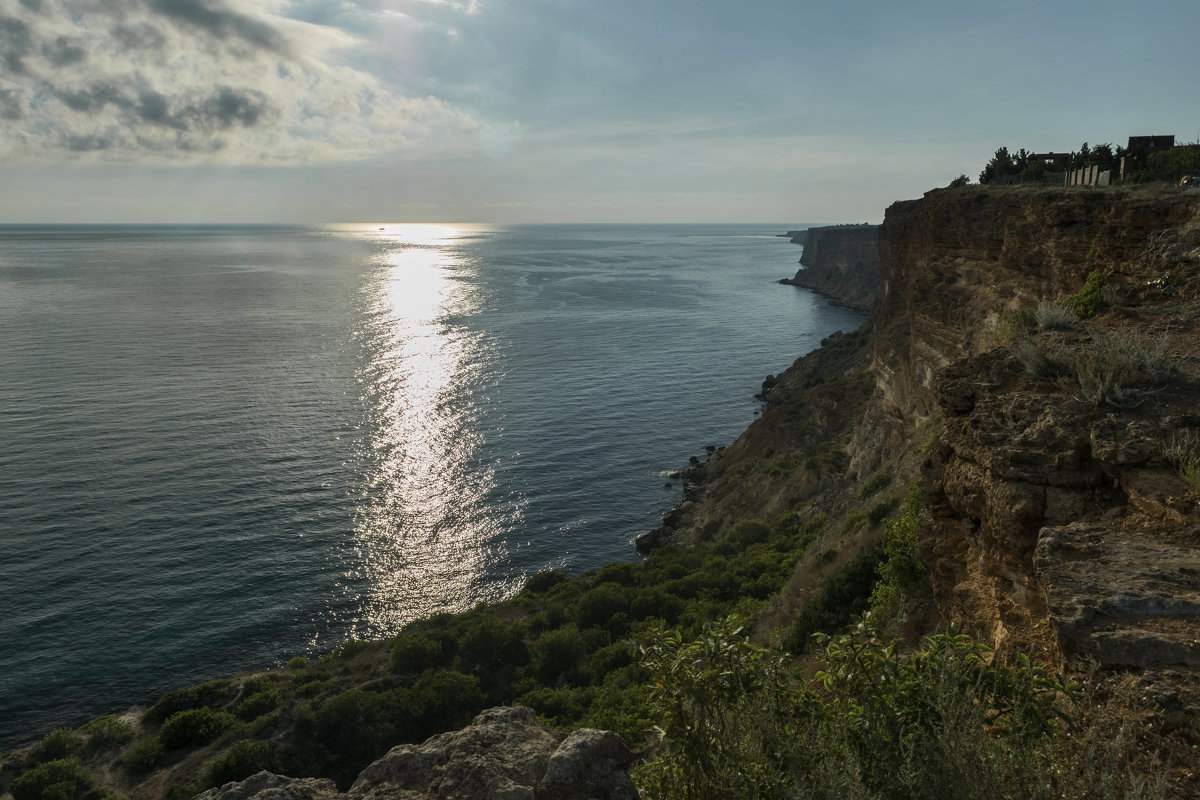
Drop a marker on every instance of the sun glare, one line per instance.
(424, 530)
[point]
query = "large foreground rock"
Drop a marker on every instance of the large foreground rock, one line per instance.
(502, 755)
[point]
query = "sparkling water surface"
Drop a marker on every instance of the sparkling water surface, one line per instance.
(223, 446)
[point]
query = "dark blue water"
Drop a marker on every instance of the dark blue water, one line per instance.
(222, 446)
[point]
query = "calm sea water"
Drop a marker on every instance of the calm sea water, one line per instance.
(223, 446)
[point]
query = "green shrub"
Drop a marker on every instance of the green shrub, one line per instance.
(144, 755)
(57, 744)
(258, 703)
(853, 522)
(490, 645)
(104, 733)
(417, 651)
(845, 596)
(61, 779)
(561, 706)
(243, 759)
(196, 727)
(600, 605)
(558, 653)
(941, 722)
(748, 532)
(182, 790)
(212, 693)
(881, 510)
(620, 573)
(873, 484)
(901, 574)
(543, 581)
(351, 648)
(1087, 302)
(297, 662)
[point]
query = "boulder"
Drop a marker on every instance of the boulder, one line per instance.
(504, 754)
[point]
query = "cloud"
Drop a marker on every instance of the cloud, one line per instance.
(194, 81)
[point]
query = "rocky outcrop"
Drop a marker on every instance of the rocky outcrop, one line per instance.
(502, 755)
(841, 261)
(1019, 457)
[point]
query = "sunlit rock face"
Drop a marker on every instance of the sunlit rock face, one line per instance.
(1018, 459)
(504, 753)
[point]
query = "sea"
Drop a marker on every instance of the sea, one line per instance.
(223, 446)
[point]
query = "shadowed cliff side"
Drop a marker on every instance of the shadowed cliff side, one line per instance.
(841, 262)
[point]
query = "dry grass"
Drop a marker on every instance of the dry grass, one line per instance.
(1182, 449)
(1054, 316)
(1116, 368)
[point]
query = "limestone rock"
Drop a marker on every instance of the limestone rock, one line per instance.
(502, 755)
(268, 786)
(1120, 598)
(588, 765)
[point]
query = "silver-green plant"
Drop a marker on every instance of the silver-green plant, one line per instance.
(1115, 366)
(1054, 316)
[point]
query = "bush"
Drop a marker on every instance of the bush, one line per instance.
(196, 727)
(144, 755)
(558, 653)
(1038, 358)
(1054, 316)
(57, 744)
(243, 759)
(901, 574)
(106, 732)
(1087, 302)
(1108, 371)
(414, 652)
(881, 510)
(845, 595)
(600, 605)
(1111, 369)
(543, 581)
(212, 693)
(620, 573)
(941, 722)
(61, 779)
(261, 702)
(873, 484)
(350, 648)
(491, 645)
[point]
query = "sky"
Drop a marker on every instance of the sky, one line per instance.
(512, 111)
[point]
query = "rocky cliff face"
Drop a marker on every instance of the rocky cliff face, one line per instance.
(1056, 519)
(1022, 461)
(841, 261)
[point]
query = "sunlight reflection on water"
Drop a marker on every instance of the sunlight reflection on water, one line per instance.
(425, 534)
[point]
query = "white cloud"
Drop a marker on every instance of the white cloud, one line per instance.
(165, 81)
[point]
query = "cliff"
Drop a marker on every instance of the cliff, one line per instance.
(841, 261)
(1058, 460)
